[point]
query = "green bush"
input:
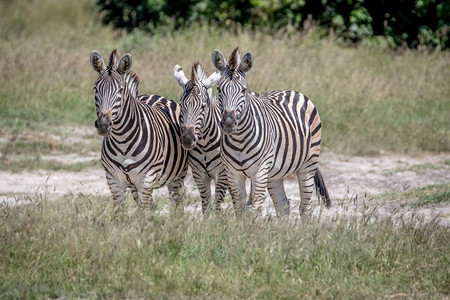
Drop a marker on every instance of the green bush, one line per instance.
(400, 22)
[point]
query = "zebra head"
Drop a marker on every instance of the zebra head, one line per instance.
(109, 88)
(194, 102)
(232, 87)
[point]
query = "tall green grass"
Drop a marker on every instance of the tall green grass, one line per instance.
(370, 99)
(77, 248)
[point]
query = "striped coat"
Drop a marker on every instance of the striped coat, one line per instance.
(199, 122)
(141, 146)
(266, 138)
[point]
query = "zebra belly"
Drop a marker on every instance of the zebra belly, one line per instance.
(280, 160)
(238, 164)
(291, 145)
(140, 176)
(287, 160)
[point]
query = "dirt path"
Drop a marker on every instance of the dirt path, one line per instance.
(349, 181)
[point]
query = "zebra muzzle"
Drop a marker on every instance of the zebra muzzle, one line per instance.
(103, 124)
(228, 122)
(188, 139)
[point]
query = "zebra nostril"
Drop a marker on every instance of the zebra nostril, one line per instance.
(103, 121)
(188, 139)
(229, 121)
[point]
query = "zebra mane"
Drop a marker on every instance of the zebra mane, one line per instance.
(132, 82)
(113, 60)
(235, 60)
(197, 75)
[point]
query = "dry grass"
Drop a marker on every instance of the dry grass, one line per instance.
(370, 100)
(76, 247)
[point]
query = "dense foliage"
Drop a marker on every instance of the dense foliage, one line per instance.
(394, 22)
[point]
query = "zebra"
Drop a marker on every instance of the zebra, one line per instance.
(266, 138)
(200, 133)
(141, 147)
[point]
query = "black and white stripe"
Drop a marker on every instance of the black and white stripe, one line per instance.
(266, 138)
(200, 133)
(141, 146)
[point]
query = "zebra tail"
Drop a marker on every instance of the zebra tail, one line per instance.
(321, 189)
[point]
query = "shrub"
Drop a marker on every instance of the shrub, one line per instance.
(401, 22)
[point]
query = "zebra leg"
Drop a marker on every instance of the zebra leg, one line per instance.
(252, 195)
(176, 191)
(221, 189)
(278, 195)
(259, 185)
(305, 178)
(117, 189)
(204, 187)
(136, 198)
(144, 198)
(236, 187)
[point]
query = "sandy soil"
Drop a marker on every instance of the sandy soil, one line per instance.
(349, 180)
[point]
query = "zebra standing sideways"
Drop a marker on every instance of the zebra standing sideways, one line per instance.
(266, 138)
(199, 122)
(141, 147)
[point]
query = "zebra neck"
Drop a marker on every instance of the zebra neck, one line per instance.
(131, 125)
(247, 120)
(210, 126)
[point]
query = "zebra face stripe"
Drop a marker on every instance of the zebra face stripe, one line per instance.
(232, 90)
(109, 89)
(193, 103)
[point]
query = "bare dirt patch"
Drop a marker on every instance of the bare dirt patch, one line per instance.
(350, 181)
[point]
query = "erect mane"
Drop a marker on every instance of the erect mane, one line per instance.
(197, 75)
(112, 62)
(234, 64)
(234, 57)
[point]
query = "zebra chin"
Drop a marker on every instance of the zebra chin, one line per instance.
(104, 132)
(188, 138)
(189, 146)
(228, 123)
(103, 124)
(188, 142)
(228, 129)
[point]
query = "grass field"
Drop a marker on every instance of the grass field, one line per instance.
(77, 248)
(372, 101)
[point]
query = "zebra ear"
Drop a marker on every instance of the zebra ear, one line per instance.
(218, 60)
(97, 62)
(179, 75)
(124, 64)
(246, 62)
(212, 79)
